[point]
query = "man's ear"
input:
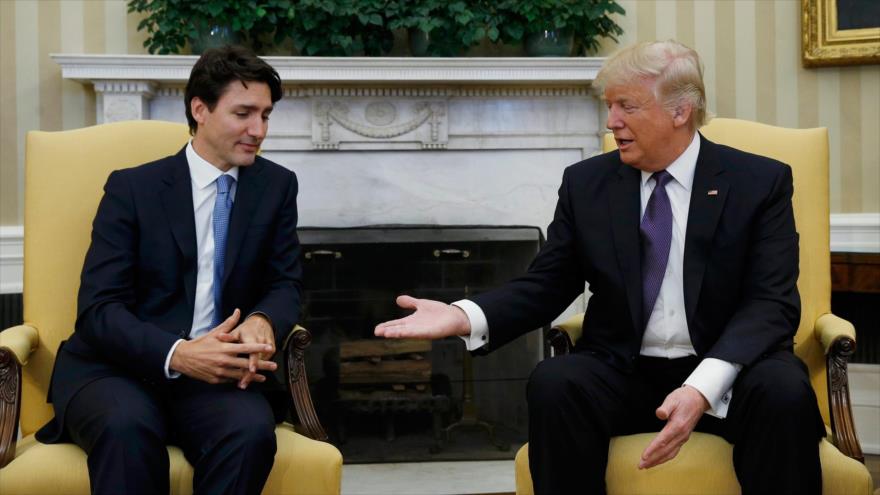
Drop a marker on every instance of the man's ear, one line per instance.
(199, 109)
(681, 115)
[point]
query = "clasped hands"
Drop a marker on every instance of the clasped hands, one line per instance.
(229, 352)
(681, 409)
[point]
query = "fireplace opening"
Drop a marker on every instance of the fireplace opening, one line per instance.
(391, 400)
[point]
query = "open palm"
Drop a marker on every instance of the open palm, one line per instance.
(431, 320)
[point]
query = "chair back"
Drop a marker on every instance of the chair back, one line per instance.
(806, 151)
(64, 177)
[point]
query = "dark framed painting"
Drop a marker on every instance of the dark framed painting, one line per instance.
(840, 32)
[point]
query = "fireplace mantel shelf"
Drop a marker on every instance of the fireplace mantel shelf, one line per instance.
(173, 69)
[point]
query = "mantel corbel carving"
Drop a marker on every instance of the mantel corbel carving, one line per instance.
(124, 99)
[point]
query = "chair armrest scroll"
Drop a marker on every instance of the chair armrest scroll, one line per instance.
(21, 340)
(838, 338)
(830, 328)
(298, 383)
(562, 337)
(16, 345)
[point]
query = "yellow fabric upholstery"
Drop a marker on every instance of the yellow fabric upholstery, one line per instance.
(705, 464)
(64, 177)
(302, 467)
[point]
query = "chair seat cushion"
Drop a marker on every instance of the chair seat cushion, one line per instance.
(302, 466)
(704, 465)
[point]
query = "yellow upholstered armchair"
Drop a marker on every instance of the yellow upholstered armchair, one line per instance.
(65, 174)
(823, 341)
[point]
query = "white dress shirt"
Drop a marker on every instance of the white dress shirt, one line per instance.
(666, 334)
(203, 177)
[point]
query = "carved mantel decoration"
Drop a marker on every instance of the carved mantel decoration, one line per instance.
(366, 120)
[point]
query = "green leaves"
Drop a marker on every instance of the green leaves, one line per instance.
(364, 27)
(171, 23)
(588, 20)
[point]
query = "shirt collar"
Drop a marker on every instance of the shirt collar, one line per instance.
(682, 168)
(201, 171)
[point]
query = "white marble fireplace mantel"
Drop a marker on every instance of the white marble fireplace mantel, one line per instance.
(164, 69)
(448, 141)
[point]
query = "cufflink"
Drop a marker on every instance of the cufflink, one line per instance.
(483, 338)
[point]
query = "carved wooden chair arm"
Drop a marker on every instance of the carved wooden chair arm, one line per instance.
(16, 345)
(838, 337)
(298, 383)
(562, 337)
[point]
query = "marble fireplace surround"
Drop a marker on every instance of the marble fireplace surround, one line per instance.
(459, 141)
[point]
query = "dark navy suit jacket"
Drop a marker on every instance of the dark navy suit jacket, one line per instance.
(740, 260)
(139, 276)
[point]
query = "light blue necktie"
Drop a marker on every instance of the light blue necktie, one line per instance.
(222, 209)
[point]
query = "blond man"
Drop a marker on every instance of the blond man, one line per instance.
(691, 255)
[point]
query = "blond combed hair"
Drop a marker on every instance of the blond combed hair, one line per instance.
(675, 70)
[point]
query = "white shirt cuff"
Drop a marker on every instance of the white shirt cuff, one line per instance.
(714, 379)
(479, 326)
(168, 372)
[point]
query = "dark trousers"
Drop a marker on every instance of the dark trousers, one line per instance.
(577, 402)
(124, 425)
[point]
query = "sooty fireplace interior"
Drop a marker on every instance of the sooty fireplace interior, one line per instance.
(384, 400)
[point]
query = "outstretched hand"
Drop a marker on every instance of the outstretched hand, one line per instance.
(214, 356)
(681, 410)
(431, 320)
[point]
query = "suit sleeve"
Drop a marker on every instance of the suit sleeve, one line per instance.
(551, 283)
(283, 276)
(105, 316)
(769, 313)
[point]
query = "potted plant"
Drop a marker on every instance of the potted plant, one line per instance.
(342, 28)
(170, 24)
(553, 27)
(438, 27)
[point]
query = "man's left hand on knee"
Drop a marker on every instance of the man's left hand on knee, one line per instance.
(681, 410)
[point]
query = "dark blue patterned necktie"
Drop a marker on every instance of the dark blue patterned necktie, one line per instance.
(222, 209)
(656, 233)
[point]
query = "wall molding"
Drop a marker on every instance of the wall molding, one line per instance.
(850, 232)
(855, 232)
(11, 259)
(864, 380)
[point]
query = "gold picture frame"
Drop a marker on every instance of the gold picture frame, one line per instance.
(824, 44)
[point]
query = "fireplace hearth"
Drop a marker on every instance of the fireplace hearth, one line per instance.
(399, 400)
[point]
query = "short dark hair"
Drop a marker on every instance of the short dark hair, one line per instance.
(217, 67)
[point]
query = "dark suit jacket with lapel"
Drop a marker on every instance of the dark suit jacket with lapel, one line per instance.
(138, 281)
(740, 260)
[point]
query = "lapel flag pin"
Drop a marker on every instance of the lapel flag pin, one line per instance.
(712, 192)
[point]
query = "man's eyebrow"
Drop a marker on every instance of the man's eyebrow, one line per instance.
(252, 108)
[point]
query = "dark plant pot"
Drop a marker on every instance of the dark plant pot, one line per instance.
(549, 43)
(214, 37)
(265, 44)
(418, 42)
(378, 41)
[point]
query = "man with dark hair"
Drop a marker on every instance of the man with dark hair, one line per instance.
(216, 69)
(181, 248)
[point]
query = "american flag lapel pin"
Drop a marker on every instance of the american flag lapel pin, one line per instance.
(712, 192)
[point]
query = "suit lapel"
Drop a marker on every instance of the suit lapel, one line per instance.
(624, 205)
(708, 196)
(178, 206)
(249, 190)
